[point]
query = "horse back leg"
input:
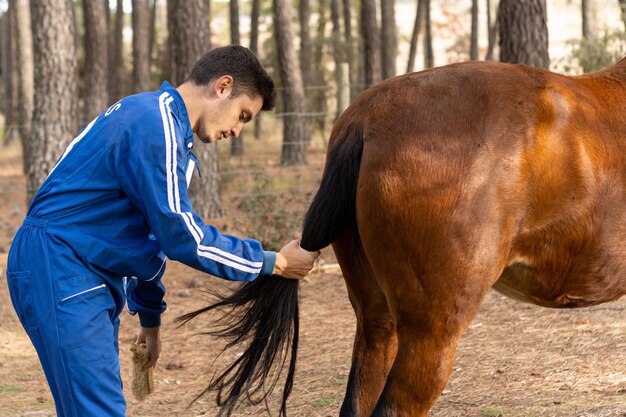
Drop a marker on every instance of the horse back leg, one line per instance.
(375, 341)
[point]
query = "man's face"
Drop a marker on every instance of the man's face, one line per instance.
(228, 116)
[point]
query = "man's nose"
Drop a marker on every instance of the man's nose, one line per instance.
(235, 131)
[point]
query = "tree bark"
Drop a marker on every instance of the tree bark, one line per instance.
(474, 32)
(339, 55)
(189, 39)
(25, 86)
(294, 140)
(622, 5)
(350, 46)
(254, 47)
(588, 19)
(117, 80)
(523, 32)
(319, 94)
(141, 46)
(389, 44)
(493, 30)
(56, 80)
(429, 58)
(96, 58)
(419, 17)
(236, 144)
(10, 75)
(371, 42)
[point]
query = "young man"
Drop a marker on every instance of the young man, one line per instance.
(112, 209)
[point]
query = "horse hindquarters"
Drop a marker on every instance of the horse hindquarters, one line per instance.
(433, 288)
(375, 341)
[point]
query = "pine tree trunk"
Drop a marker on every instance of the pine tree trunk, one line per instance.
(340, 57)
(96, 58)
(523, 32)
(141, 46)
(294, 140)
(9, 75)
(236, 144)
(117, 79)
(320, 101)
(254, 47)
(389, 44)
(190, 39)
(26, 82)
(56, 79)
(474, 32)
(371, 42)
(493, 30)
(419, 17)
(351, 46)
(429, 59)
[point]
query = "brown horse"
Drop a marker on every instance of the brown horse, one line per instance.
(442, 184)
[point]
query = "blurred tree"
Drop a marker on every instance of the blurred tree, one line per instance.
(9, 75)
(254, 47)
(236, 144)
(588, 19)
(152, 36)
(294, 130)
(419, 18)
(371, 42)
(306, 63)
(351, 45)
(339, 55)
(141, 46)
(429, 58)
(189, 39)
(389, 38)
(523, 32)
(25, 85)
(96, 93)
(622, 5)
(318, 78)
(56, 79)
(492, 31)
(474, 32)
(116, 55)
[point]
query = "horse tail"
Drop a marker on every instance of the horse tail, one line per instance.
(263, 314)
(334, 206)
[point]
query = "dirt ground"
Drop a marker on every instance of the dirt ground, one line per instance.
(516, 360)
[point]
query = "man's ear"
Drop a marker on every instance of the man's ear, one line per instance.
(223, 86)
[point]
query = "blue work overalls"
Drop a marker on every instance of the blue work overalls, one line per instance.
(97, 235)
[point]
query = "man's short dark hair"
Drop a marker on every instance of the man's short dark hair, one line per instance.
(240, 63)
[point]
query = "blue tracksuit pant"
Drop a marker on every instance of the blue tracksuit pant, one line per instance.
(71, 316)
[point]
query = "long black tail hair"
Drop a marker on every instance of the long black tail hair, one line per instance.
(263, 314)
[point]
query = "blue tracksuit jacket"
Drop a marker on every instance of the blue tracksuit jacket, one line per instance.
(118, 197)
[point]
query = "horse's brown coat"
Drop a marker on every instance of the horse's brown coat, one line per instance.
(475, 175)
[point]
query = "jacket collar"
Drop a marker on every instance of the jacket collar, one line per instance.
(180, 111)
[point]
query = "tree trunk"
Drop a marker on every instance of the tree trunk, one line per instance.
(10, 75)
(389, 38)
(294, 140)
(254, 47)
(622, 5)
(588, 19)
(152, 36)
(116, 56)
(190, 39)
(419, 17)
(319, 94)
(523, 32)
(141, 46)
(96, 58)
(429, 59)
(339, 56)
(25, 87)
(474, 33)
(236, 144)
(493, 30)
(371, 42)
(56, 79)
(350, 48)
